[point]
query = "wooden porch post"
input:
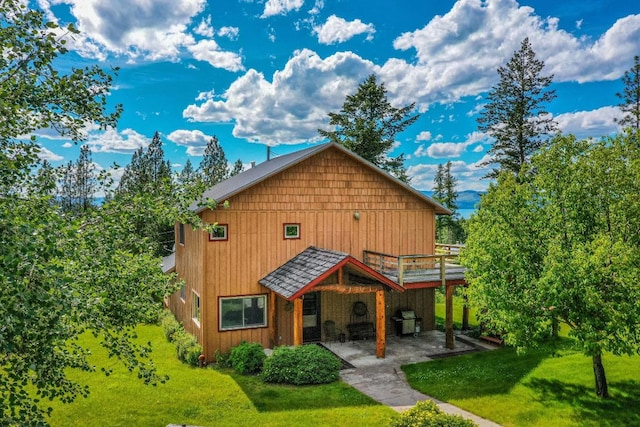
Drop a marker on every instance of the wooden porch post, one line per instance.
(450, 341)
(273, 328)
(297, 321)
(381, 333)
(465, 312)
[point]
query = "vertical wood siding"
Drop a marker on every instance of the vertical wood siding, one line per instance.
(321, 194)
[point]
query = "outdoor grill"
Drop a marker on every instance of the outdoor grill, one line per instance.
(407, 323)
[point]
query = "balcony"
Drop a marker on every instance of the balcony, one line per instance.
(420, 271)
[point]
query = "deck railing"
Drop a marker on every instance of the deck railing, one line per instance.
(417, 268)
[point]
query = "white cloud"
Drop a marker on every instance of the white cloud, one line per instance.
(457, 54)
(317, 7)
(229, 32)
(140, 29)
(469, 175)
(595, 123)
(425, 135)
(46, 154)
(447, 150)
(290, 108)
(338, 30)
(195, 140)
(280, 7)
(209, 51)
(112, 141)
(204, 28)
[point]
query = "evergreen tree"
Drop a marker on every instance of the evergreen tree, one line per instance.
(516, 113)
(85, 180)
(448, 227)
(237, 168)
(214, 167)
(367, 124)
(630, 97)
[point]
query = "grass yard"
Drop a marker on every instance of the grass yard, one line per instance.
(457, 311)
(537, 389)
(207, 397)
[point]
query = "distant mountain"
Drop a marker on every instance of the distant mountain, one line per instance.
(467, 199)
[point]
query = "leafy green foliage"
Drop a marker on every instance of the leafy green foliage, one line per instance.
(307, 364)
(427, 414)
(563, 246)
(515, 114)
(247, 358)
(187, 348)
(367, 124)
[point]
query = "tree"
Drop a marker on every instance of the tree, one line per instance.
(78, 184)
(61, 275)
(448, 227)
(148, 177)
(630, 97)
(214, 167)
(516, 114)
(367, 124)
(237, 168)
(563, 246)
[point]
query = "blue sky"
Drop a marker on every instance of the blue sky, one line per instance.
(267, 72)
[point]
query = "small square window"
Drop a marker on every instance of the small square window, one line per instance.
(291, 231)
(219, 232)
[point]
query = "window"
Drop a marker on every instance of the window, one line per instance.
(195, 307)
(182, 292)
(291, 231)
(243, 312)
(181, 233)
(219, 233)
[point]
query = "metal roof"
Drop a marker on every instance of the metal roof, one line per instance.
(244, 180)
(312, 266)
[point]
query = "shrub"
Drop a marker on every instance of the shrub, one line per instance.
(187, 347)
(427, 414)
(169, 324)
(307, 364)
(223, 360)
(247, 358)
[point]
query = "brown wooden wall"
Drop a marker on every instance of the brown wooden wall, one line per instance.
(321, 194)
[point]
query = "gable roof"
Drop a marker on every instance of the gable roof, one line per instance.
(312, 266)
(247, 179)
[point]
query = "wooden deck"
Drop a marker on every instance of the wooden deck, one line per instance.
(412, 271)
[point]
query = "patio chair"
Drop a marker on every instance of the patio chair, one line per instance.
(331, 333)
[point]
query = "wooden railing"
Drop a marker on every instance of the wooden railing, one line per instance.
(417, 268)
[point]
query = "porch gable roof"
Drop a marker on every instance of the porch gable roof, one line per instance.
(310, 267)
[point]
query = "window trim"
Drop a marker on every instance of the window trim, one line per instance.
(196, 310)
(225, 227)
(265, 323)
(290, 224)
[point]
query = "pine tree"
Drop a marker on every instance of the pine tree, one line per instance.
(214, 167)
(85, 181)
(448, 227)
(367, 124)
(516, 113)
(237, 168)
(630, 97)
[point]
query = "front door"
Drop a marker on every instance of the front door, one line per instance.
(311, 330)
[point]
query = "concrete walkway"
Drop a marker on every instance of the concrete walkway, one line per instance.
(383, 379)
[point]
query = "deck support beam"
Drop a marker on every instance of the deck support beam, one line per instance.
(450, 340)
(381, 333)
(273, 310)
(297, 321)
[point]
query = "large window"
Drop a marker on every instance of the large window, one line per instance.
(195, 307)
(243, 312)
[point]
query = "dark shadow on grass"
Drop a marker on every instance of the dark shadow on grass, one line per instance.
(279, 397)
(621, 409)
(474, 375)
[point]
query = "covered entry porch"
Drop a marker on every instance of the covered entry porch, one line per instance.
(336, 280)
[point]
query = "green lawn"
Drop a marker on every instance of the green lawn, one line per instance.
(457, 311)
(537, 389)
(207, 397)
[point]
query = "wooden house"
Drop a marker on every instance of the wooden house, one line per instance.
(308, 246)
